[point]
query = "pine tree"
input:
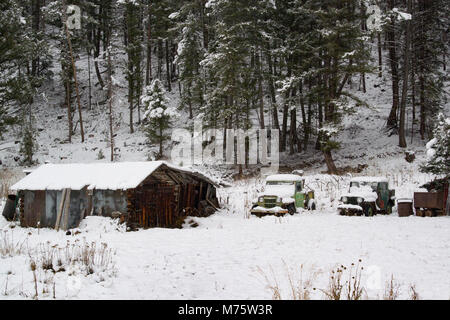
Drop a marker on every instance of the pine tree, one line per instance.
(189, 54)
(438, 149)
(133, 48)
(431, 25)
(24, 63)
(11, 23)
(158, 115)
(341, 46)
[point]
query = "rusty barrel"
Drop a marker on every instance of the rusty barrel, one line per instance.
(405, 207)
(9, 210)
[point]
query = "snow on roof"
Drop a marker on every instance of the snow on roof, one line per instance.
(103, 176)
(369, 179)
(284, 177)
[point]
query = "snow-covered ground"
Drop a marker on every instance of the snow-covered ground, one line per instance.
(230, 255)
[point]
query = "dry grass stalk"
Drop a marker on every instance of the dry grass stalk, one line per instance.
(335, 284)
(8, 247)
(354, 288)
(413, 295)
(299, 289)
(351, 289)
(275, 288)
(392, 289)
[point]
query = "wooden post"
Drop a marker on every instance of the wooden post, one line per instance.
(200, 195)
(89, 203)
(66, 209)
(61, 207)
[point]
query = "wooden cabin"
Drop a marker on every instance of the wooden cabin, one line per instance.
(142, 194)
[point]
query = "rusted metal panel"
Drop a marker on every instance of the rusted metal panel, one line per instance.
(78, 203)
(405, 209)
(34, 208)
(9, 211)
(105, 202)
(52, 200)
(432, 200)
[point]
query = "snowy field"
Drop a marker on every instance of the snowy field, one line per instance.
(230, 255)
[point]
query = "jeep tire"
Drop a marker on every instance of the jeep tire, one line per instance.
(291, 208)
(368, 210)
(389, 208)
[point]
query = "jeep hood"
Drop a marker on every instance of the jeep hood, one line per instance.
(282, 191)
(364, 192)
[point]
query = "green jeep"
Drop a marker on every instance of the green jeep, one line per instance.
(368, 196)
(284, 193)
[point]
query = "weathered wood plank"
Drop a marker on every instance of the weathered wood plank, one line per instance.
(60, 210)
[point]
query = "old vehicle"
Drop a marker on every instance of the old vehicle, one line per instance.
(283, 193)
(433, 202)
(368, 196)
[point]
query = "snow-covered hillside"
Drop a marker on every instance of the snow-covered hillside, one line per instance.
(364, 139)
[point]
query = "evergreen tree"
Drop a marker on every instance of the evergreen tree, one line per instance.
(158, 115)
(341, 47)
(189, 54)
(438, 149)
(133, 48)
(431, 22)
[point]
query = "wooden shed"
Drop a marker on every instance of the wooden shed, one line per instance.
(144, 194)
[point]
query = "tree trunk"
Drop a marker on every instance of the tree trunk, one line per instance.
(148, 68)
(260, 91)
(392, 119)
(276, 122)
(97, 53)
(406, 63)
(74, 72)
(285, 115)
(422, 106)
(160, 142)
(304, 121)
(330, 162)
(111, 133)
(69, 110)
(204, 26)
(285, 119)
(380, 56)
(160, 57)
(89, 79)
(36, 25)
(169, 83)
(293, 126)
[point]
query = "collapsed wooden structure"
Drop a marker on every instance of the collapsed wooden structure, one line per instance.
(436, 201)
(142, 194)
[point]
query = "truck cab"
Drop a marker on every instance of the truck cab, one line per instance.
(283, 193)
(367, 195)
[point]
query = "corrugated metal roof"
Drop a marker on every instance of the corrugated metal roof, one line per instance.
(103, 176)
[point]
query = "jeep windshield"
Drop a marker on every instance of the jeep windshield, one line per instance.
(360, 184)
(280, 183)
